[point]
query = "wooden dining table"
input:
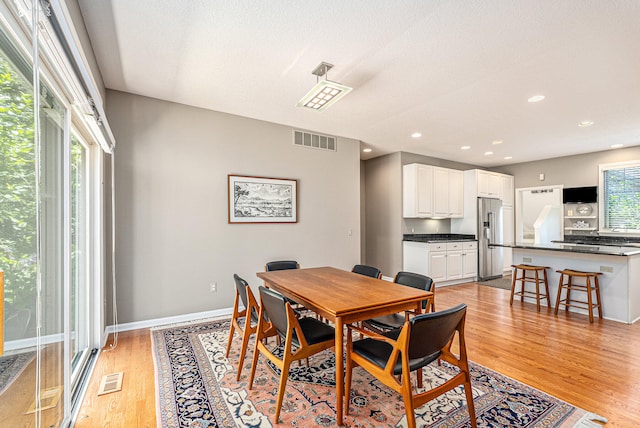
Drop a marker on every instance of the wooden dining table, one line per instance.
(344, 298)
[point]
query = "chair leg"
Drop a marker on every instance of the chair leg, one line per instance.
(419, 376)
(243, 351)
(231, 331)
(408, 402)
(254, 363)
(470, 406)
(284, 374)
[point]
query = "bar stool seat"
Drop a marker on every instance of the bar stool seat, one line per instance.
(536, 279)
(591, 284)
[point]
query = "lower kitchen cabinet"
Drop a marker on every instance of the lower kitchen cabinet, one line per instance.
(445, 262)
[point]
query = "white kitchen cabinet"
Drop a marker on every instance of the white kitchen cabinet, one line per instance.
(437, 266)
(429, 191)
(489, 184)
(507, 192)
(454, 260)
(469, 260)
(456, 193)
(445, 262)
(417, 190)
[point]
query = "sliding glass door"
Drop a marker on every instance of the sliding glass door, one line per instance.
(49, 223)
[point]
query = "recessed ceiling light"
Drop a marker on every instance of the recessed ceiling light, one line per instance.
(617, 146)
(367, 150)
(496, 142)
(465, 147)
(536, 98)
(585, 123)
(488, 153)
(416, 135)
(508, 157)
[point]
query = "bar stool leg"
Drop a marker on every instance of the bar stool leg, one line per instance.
(513, 285)
(560, 285)
(589, 298)
(546, 286)
(598, 297)
(537, 279)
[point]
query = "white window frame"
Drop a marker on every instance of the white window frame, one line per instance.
(602, 202)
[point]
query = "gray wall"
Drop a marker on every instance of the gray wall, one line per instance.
(383, 207)
(570, 171)
(384, 224)
(173, 238)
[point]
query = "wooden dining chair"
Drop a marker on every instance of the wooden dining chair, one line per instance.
(303, 337)
(365, 270)
(393, 321)
(281, 265)
(422, 340)
(250, 315)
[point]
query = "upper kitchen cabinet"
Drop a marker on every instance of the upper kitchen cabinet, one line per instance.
(417, 190)
(494, 185)
(430, 191)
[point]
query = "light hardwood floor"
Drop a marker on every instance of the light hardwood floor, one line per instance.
(593, 366)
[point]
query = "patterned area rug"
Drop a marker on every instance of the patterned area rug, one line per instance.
(196, 388)
(11, 366)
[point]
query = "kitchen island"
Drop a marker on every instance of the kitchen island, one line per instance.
(619, 282)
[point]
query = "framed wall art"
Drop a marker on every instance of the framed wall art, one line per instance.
(262, 200)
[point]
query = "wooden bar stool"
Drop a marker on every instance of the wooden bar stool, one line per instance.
(536, 279)
(588, 287)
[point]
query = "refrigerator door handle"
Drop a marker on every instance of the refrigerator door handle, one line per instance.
(487, 231)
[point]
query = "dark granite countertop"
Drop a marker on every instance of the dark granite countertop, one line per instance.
(608, 250)
(438, 237)
(617, 241)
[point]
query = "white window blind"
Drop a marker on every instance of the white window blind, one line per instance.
(621, 189)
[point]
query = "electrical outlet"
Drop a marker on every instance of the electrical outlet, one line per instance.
(606, 269)
(213, 287)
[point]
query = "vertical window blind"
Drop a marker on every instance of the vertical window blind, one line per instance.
(622, 197)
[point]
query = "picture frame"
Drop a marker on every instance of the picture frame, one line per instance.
(262, 199)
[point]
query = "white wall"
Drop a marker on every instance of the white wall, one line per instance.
(173, 238)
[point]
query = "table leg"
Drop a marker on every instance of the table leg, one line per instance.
(339, 371)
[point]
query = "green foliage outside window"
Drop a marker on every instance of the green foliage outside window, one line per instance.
(17, 189)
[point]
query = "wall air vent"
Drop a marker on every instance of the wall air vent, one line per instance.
(314, 141)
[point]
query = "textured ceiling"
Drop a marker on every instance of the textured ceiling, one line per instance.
(459, 72)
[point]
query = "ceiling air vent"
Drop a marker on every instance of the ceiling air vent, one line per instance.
(314, 141)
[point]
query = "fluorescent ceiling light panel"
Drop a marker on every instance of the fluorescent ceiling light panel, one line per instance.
(416, 135)
(585, 123)
(323, 95)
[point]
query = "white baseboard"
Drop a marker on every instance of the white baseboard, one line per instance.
(167, 320)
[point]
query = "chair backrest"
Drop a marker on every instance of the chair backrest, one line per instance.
(367, 271)
(241, 286)
(281, 265)
(415, 280)
(431, 332)
(275, 308)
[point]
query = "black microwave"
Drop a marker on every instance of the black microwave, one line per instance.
(580, 195)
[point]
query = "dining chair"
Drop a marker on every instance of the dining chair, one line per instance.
(303, 337)
(250, 315)
(393, 321)
(285, 265)
(367, 271)
(422, 340)
(281, 265)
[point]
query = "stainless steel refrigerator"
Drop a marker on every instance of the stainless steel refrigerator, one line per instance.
(490, 263)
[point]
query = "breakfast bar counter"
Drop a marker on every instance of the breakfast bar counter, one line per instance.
(620, 267)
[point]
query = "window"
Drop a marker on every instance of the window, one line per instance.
(620, 202)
